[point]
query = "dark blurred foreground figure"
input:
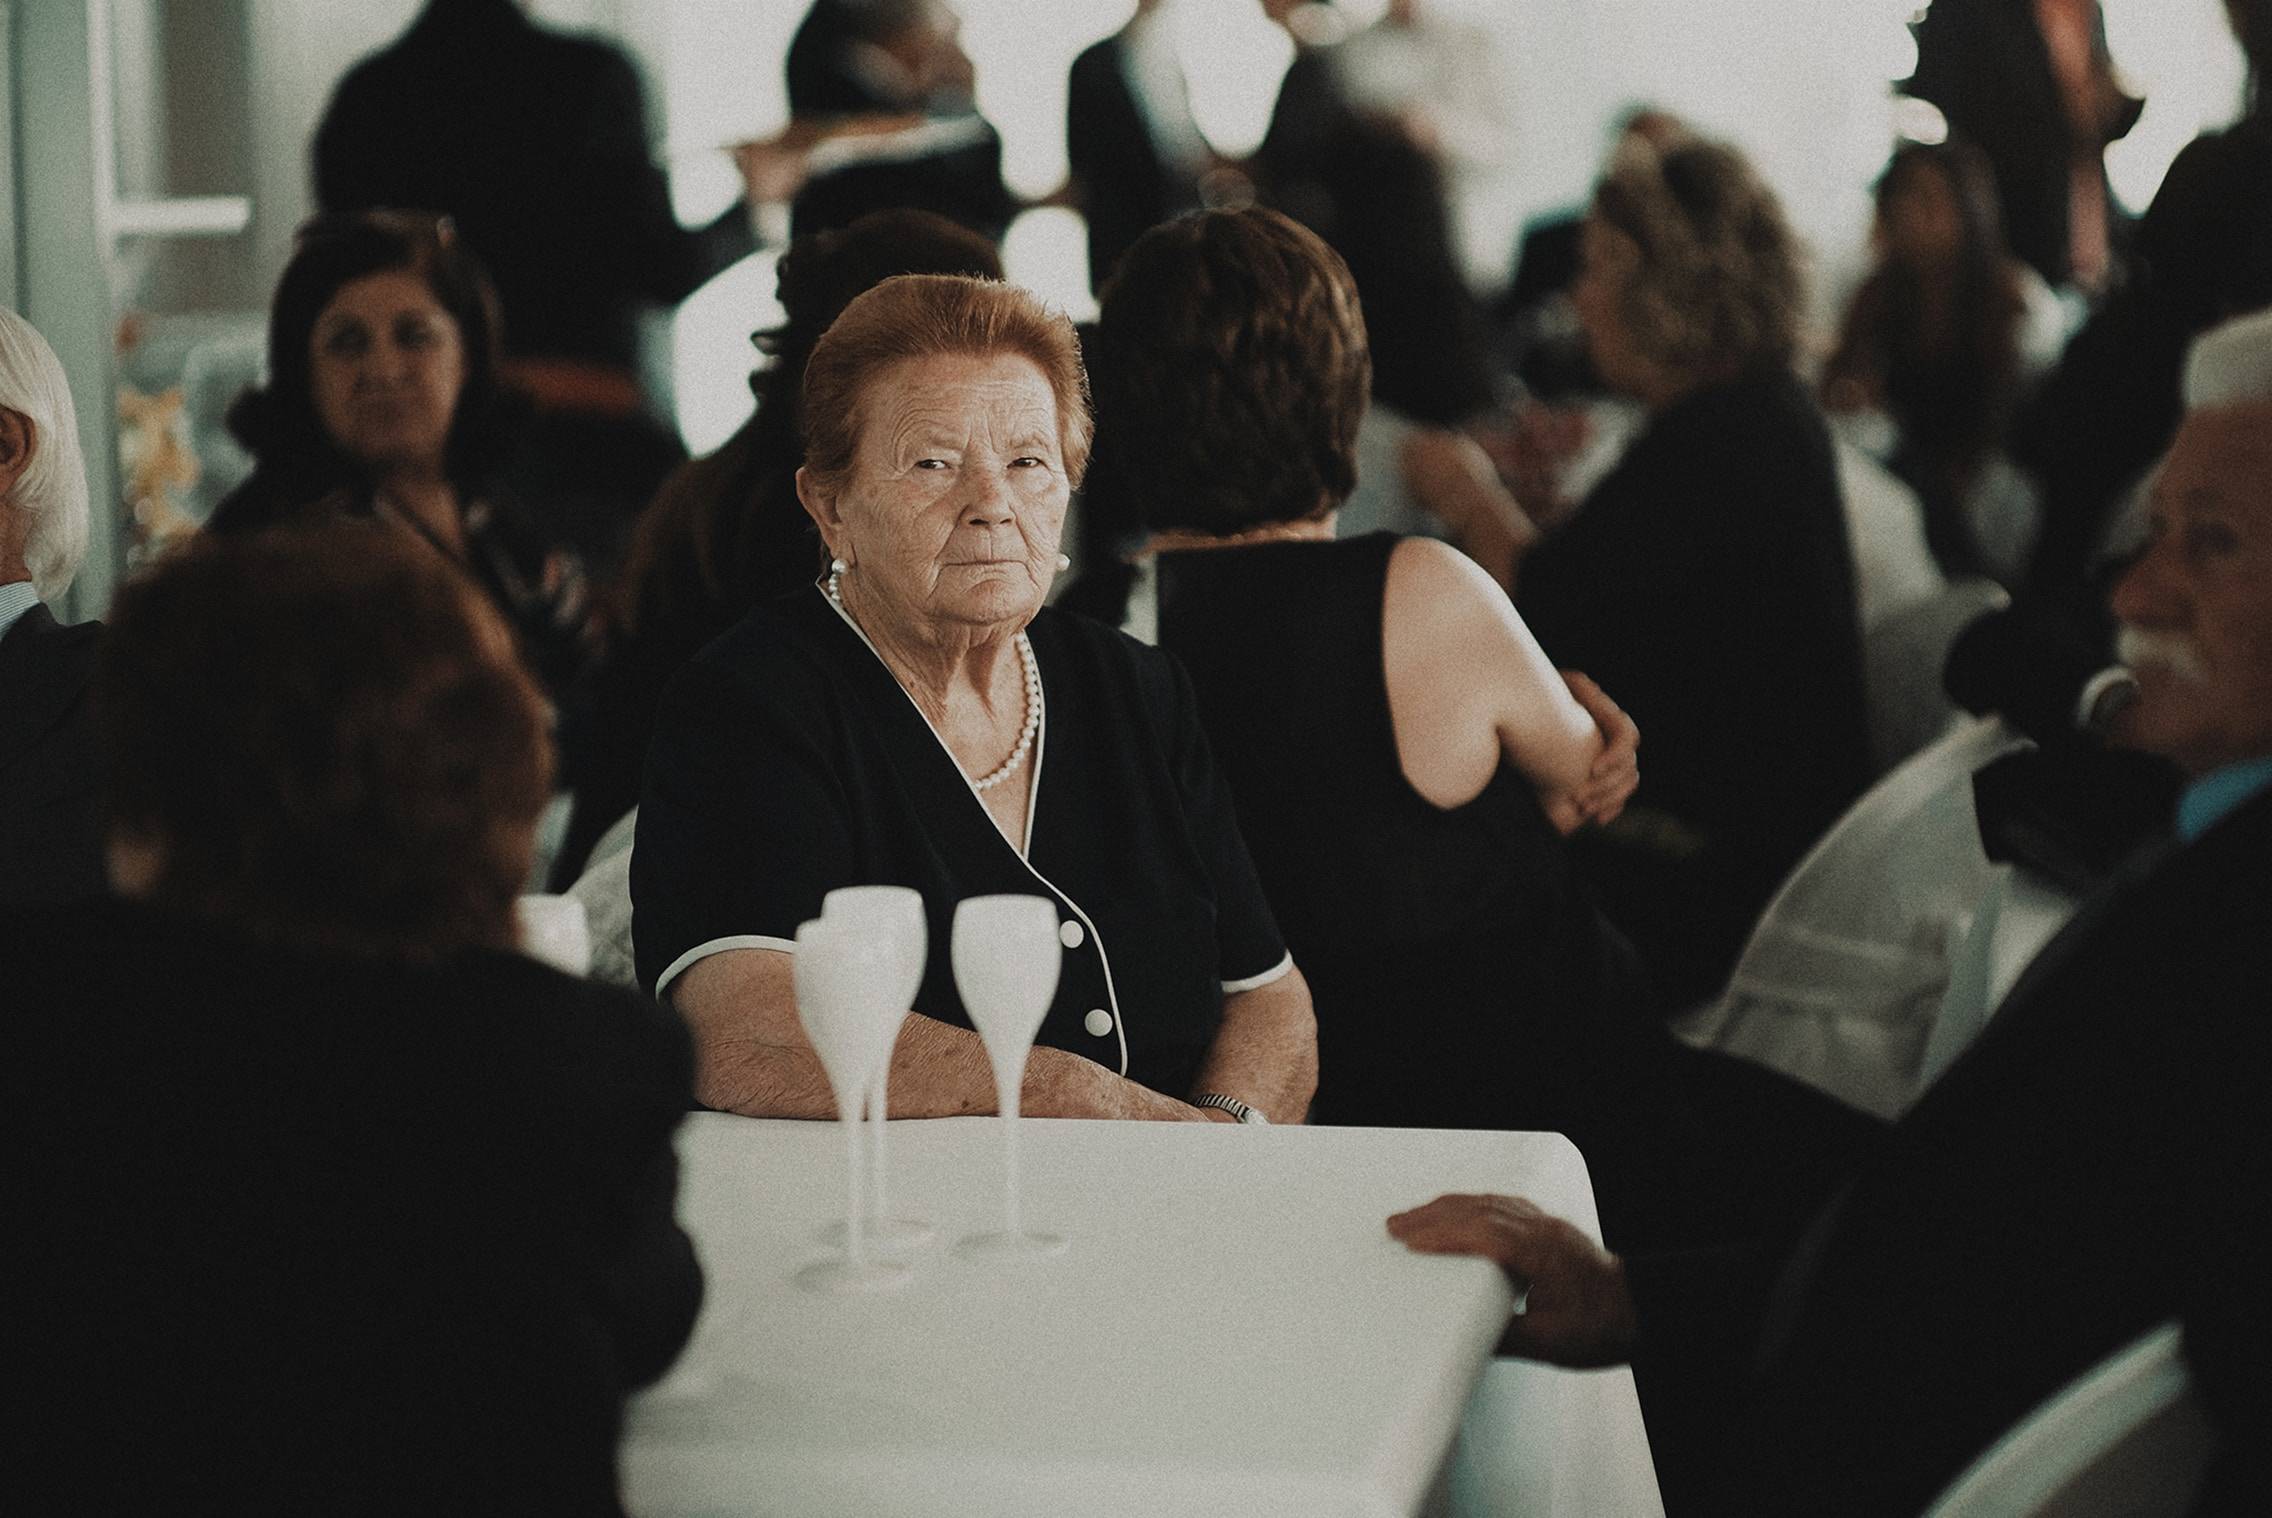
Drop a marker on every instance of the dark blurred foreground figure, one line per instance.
(385, 402)
(1707, 580)
(535, 142)
(49, 848)
(726, 531)
(325, 1200)
(2098, 1162)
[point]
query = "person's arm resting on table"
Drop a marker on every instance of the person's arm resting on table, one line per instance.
(752, 1056)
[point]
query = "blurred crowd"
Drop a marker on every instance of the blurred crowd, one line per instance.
(1457, 713)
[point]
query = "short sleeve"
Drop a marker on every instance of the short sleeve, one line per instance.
(738, 827)
(1249, 952)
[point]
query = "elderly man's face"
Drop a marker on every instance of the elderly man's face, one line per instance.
(2196, 607)
(957, 495)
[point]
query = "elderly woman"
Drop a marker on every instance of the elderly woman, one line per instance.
(922, 720)
(383, 402)
(415, 1189)
(1707, 579)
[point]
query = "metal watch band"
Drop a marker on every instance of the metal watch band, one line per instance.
(1232, 1105)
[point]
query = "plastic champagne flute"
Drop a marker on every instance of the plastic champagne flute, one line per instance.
(1006, 961)
(844, 980)
(895, 914)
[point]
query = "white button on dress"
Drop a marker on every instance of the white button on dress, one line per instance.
(1098, 1022)
(1070, 934)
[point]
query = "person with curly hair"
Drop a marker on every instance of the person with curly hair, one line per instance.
(1707, 579)
(331, 1198)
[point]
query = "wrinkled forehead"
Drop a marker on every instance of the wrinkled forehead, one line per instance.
(2221, 459)
(956, 394)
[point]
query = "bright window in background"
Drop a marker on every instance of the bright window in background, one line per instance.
(1802, 85)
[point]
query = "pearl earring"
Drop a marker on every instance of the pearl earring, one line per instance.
(1064, 561)
(836, 568)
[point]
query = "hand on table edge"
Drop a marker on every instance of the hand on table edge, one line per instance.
(1578, 1311)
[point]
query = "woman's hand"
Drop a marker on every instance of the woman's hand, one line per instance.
(1616, 772)
(1571, 1304)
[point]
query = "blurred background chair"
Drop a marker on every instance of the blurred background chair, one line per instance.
(2125, 1440)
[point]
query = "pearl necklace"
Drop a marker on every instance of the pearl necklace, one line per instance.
(1032, 728)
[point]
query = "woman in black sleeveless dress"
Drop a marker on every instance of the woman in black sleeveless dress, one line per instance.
(1396, 801)
(1404, 758)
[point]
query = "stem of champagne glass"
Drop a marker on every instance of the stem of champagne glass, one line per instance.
(1010, 1093)
(879, 1107)
(855, 1247)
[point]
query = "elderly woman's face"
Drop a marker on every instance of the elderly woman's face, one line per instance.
(386, 363)
(958, 490)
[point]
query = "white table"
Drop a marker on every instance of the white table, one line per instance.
(1232, 1330)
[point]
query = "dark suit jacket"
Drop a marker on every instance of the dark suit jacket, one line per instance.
(300, 1233)
(1127, 188)
(535, 143)
(50, 841)
(2100, 1161)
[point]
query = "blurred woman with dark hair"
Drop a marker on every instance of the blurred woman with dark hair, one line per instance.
(383, 401)
(1935, 336)
(334, 1201)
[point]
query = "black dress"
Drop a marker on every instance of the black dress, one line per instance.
(296, 1233)
(788, 761)
(1708, 585)
(1456, 969)
(1461, 975)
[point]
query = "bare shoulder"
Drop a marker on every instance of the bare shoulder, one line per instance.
(1435, 590)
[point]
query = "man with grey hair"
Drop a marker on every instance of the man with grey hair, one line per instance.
(49, 848)
(2097, 1163)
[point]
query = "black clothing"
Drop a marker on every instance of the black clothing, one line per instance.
(1460, 977)
(2204, 254)
(788, 761)
(1378, 199)
(295, 1233)
(1457, 972)
(961, 179)
(1128, 186)
(535, 143)
(51, 846)
(1986, 65)
(536, 584)
(2098, 1162)
(1708, 585)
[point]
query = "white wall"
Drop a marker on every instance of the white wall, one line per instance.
(1801, 84)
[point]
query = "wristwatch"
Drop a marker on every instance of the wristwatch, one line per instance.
(1232, 1105)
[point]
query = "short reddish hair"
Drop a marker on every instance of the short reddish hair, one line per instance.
(928, 315)
(326, 731)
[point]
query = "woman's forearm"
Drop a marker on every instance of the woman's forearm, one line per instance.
(1265, 1054)
(752, 1057)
